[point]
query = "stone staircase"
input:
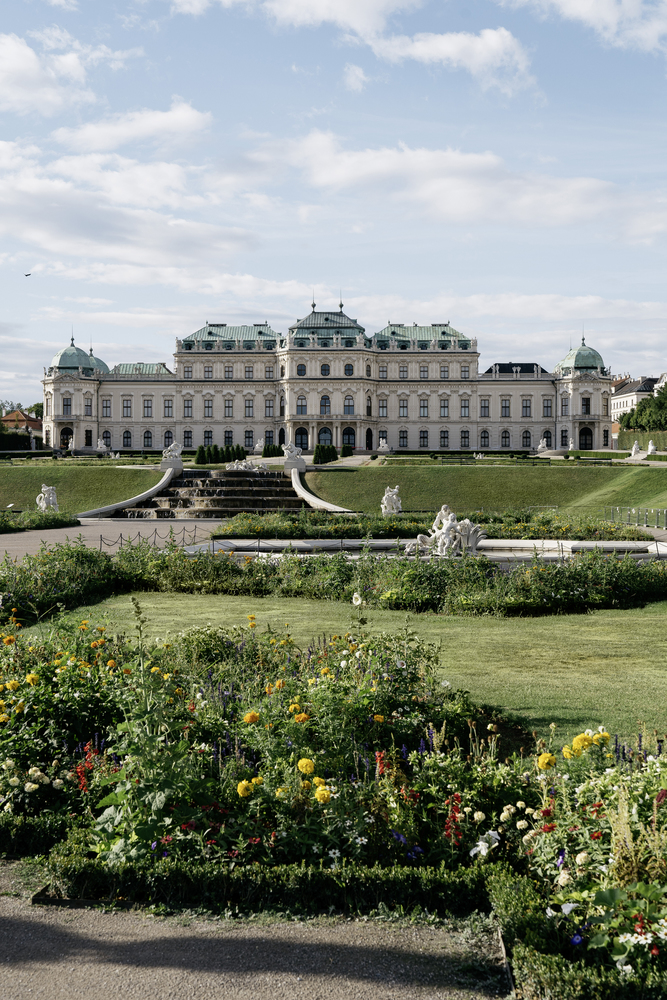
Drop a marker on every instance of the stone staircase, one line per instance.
(199, 493)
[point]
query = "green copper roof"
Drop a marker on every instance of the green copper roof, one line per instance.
(434, 331)
(220, 331)
(96, 363)
(327, 322)
(140, 368)
(580, 358)
(72, 358)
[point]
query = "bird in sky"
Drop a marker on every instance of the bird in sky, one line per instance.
(28, 274)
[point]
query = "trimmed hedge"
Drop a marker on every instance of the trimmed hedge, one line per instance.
(351, 888)
(30, 835)
(324, 453)
(626, 439)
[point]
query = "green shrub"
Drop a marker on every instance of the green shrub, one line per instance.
(272, 451)
(542, 976)
(35, 519)
(27, 836)
(346, 451)
(324, 453)
(200, 457)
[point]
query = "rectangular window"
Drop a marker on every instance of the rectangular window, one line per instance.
(546, 407)
(484, 408)
(563, 438)
(402, 439)
(382, 436)
(127, 407)
(88, 408)
(249, 371)
(605, 406)
(465, 371)
(465, 439)
(208, 371)
(465, 409)
(268, 437)
(168, 408)
(525, 407)
(444, 371)
(268, 373)
(187, 439)
(565, 406)
(106, 408)
(585, 405)
(504, 408)
(423, 439)
(249, 408)
(187, 409)
(229, 407)
(249, 439)
(268, 408)
(382, 371)
(208, 438)
(423, 371)
(148, 408)
(403, 371)
(382, 407)
(48, 406)
(402, 407)
(605, 438)
(444, 408)
(229, 371)
(444, 439)
(208, 409)
(229, 438)
(187, 371)
(88, 440)
(423, 408)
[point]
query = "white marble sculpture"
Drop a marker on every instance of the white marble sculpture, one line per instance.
(259, 446)
(652, 450)
(635, 450)
(383, 446)
(101, 445)
(47, 498)
(243, 465)
(448, 537)
(290, 451)
(173, 451)
(571, 447)
(542, 446)
(391, 502)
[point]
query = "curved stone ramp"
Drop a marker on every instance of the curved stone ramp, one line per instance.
(112, 508)
(304, 493)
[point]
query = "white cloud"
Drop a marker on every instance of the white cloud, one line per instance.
(354, 78)
(181, 121)
(640, 24)
(495, 57)
(64, 4)
(364, 17)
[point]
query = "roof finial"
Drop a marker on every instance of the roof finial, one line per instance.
(340, 304)
(72, 340)
(313, 302)
(583, 342)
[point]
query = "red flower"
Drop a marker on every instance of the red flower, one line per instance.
(546, 812)
(547, 827)
(254, 840)
(190, 825)
(655, 951)
(596, 835)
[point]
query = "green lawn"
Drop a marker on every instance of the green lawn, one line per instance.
(578, 671)
(492, 488)
(78, 488)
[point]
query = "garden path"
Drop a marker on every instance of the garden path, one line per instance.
(29, 542)
(55, 953)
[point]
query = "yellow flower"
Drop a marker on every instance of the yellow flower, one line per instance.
(12, 685)
(252, 625)
(280, 685)
(599, 738)
(111, 663)
(301, 717)
(251, 717)
(294, 707)
(581, 742)
(545, 761)
(306, 765)
(322, 795)
(8, 640)
(325, 671)
(282, 793)
(269, 688)
(567, 753)
(155, 670)
(4, 717)
(259, 780)
(311, 681)
(32, 679)
(244, 788)
(250, 617)
(318, 782)
(305, 784)
(378, 718)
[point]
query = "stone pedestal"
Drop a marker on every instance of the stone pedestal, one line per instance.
(171, 463)
(295, 463)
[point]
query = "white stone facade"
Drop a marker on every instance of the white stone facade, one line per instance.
(327, 381)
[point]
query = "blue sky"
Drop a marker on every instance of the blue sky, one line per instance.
(496, 163)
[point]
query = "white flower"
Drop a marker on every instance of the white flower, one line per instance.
(14, 782)
(522, 825)
(8, 807)
(356, 599)
(479, 816)
(8, 765)
(504, 816)
(30, 786)
(358, 654)
(568, 907)
(343, 663)
(581, 858)
(401, 666)
(564, 878)
(333, 854)
(485, 844)
(527, 838)
(361, 840)
(521, 805)
(34, 771)
(58, 783)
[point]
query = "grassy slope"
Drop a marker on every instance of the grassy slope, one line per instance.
(492, 488)
(579, 671)
(78, 488)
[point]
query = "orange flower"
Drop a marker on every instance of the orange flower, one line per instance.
(111, 663)
(301, 717)
(126, 670)
(8, 640)
(251, 717)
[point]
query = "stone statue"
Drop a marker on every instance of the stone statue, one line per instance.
(243, 465)
(101, 445)
(447, 537)
(259, 447)
(290, 451)
(391, 502)
(383, 445)
(652, 450)
(173, 451)
(47, 498)
(635, 450)
(571, 448)
(542, 446)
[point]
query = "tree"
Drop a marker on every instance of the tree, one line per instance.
(37, 409)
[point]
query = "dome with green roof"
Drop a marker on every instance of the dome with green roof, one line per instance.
(97, 363)
(580, 359)
(71, 358)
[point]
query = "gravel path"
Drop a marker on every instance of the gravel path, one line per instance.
(23, 543)
(61, 954)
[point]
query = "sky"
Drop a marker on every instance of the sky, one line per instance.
(499, 164)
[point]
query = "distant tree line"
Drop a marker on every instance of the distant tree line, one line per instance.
(649, 414)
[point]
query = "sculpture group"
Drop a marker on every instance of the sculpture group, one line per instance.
(391, 502)
(47, 499)
(448, 537)
(243, 465)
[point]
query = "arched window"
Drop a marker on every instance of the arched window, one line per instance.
(547, 438)
(168, 439)
(324, 370)
(127, 439)
(301, 438)
(325, 408)
(301, 405)
(106, 437)
(369, 407)
(324, 436)
(368, 371)
(148, 439)
(484, 439)
(301, 370)
(349, 370)
(282, 409)
(525, 439)
(348, 405)
(505, 439)
(349, 436)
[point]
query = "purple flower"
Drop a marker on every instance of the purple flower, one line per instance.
(153, 845)
(399, 837)
(576, 939)
(561, 858)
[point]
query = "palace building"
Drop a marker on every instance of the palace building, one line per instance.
(327, 381)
